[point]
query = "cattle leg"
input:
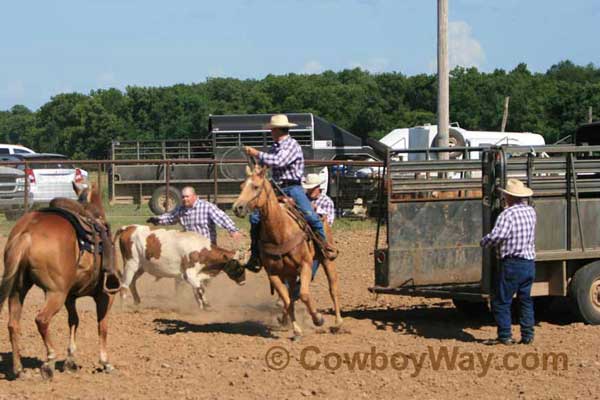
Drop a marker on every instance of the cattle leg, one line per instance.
(332, 278)
(54, 301)
(284, 295)
(103, 303)
(15, 306)
(305, 278)
(133, 288)
(70, 364)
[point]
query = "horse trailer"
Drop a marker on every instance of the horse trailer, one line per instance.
(438, 210)
(320, 141)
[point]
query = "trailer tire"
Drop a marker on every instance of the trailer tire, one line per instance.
(455, 139)
(584, 292)
(475, 309)
(158, 199)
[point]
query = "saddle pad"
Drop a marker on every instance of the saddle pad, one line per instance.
(83, 235)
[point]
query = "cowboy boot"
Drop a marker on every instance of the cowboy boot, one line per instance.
(111, 283)
(254, 263)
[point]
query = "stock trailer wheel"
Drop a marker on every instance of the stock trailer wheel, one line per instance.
(584, 292)
(159, 197)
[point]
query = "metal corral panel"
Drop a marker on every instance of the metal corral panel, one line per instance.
(551, 226)
(434, 242)
(590, 213)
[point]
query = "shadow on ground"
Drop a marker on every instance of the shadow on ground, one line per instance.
(6, 365)
(443, 321)
(246, 328)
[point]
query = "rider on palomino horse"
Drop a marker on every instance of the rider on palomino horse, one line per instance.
(287, 163)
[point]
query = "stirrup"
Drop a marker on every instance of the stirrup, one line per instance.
(106, 288)
(254, 264)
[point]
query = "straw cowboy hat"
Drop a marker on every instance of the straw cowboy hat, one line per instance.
(358, 202)
(312, 181)
(279, 121)
(516, 188)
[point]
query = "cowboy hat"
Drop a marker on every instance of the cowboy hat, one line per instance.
(312, 181)
(358, 202)
(279, 121)
(516, 188)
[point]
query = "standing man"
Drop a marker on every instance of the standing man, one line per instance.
(514, 234)
(201, 216)
(287, 163)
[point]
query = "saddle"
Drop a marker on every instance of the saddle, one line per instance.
(93, 235)
(278, 250)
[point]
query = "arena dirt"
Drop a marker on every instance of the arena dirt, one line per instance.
(168, 349)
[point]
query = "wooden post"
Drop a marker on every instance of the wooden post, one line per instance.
(443, 79)
(505, 114)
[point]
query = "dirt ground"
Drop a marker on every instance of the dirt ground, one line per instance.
(167, 348)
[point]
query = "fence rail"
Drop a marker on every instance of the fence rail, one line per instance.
(347, 185)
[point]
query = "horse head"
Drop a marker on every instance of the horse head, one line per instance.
(255, 191)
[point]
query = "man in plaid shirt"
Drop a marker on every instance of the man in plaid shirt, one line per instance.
(286, 160)
(322, 204)
(198, 215)
(514, 235)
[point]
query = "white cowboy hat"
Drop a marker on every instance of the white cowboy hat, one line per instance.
(312, 181)
(279, 121)
(516, 188)
(358, 202)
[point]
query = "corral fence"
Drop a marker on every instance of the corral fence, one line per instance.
(345, 181)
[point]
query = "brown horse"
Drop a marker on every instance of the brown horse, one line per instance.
(279, 230)
(43, 249)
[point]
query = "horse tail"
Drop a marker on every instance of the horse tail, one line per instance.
(122, 247)
(13, 255)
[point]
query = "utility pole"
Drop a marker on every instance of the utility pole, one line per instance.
(443, 109)
(590, 115)
(505, 114)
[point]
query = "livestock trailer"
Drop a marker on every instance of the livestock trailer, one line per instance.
(227, 134)
(438, 210)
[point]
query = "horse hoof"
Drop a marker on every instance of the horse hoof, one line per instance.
(18, 374)
(107, 368)
(71, 366)
(337, 328)
(47, 372)
(296, 338)
(319, 320)
(283, 320)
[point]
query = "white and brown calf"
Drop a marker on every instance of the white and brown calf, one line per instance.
(184, 256)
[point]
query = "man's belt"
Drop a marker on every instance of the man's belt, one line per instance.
(289, 182)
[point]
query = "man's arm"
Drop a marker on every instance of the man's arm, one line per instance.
(219, 217)
(499, 233)
(283, 157)
(166, 219)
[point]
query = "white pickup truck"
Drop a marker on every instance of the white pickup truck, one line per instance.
(47, 175)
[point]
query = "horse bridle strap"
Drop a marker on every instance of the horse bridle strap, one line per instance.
(279, 250)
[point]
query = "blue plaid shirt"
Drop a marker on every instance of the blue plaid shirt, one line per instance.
(324, 206)
(514, 232)
(285, 159)
(201, 218)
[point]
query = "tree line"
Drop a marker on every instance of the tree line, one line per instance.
(81, 126)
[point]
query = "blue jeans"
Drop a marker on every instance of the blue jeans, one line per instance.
(516, 276)
(302, 202)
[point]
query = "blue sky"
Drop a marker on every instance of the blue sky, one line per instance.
(56, 46)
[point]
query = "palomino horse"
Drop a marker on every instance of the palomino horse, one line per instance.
(279, 230)
(43, 249)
